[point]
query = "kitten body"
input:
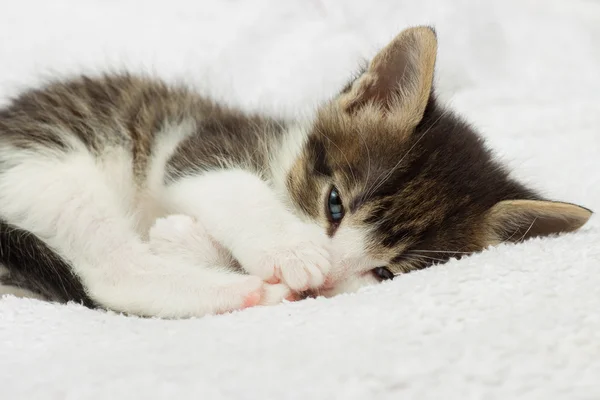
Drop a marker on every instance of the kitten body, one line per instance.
(382, 181)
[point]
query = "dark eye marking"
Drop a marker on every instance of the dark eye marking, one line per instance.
(334, 206)
(382, 273)
(318, 153)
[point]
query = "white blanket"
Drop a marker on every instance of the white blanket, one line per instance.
(513, 322)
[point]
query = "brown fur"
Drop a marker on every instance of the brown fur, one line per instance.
(100, 113)
(418, 177)
(412, 175)
(129, 111)
(523, 219)
(125, 112)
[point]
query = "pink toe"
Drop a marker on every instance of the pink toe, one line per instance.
(251, 300)
(273, 280)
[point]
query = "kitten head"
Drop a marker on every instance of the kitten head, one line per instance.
(400, 183)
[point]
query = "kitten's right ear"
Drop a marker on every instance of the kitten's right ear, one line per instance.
(399, 79)
(517, 220)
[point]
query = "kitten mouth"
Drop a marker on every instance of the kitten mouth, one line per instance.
(321, 291)
(308, 294)
(314, 293)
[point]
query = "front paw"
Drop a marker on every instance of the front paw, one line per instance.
(276, 294)
(184, 238)
(298, 258)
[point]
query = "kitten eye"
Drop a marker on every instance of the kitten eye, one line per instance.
(335, 208)
(382, 273)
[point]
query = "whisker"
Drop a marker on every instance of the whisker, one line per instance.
(420, 256)
(517, 230)
(412, 262)
(528, 229)
(442, 251)
(344, 155)
(377, 185)
(364, 142)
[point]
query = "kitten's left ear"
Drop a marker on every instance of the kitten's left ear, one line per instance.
(399, 78)
(517, 220)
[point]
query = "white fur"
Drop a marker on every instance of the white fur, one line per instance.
(284, 156)
(71, 203)
(167, 141)
(351, 264)
(244, 214)
(185, 239)
(91, 212)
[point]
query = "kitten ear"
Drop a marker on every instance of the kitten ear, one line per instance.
(399, 78)
(517, 220)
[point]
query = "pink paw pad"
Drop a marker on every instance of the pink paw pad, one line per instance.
(273, 280)
(252, 299)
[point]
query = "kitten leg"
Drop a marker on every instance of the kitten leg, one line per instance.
(69, 204)
(184, 239)
(244, 214)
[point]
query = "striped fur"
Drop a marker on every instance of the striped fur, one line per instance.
(92, 170)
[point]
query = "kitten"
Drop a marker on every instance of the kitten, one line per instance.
(383, 181)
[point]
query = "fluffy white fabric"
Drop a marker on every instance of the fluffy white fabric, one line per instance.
(513, 322)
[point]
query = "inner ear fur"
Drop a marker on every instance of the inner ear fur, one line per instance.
(517, 220)
(399, 79)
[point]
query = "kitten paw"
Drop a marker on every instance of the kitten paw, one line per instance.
(243, 292)
(183, 237)
(253, 292)
(299, 259)
(275, 294)
(253, 298)
(170, 233)
(177, 290)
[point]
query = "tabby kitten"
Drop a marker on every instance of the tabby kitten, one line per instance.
(383, 181)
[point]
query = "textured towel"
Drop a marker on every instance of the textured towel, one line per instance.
(513, 322)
